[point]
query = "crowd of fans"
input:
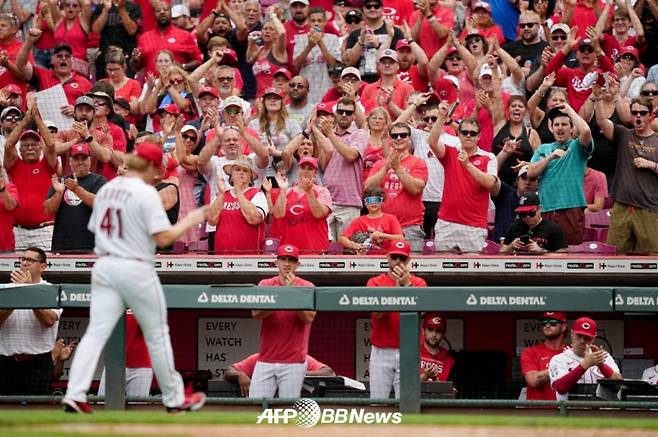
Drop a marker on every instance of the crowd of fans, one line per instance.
(351, 123)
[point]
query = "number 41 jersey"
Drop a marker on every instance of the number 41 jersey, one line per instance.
(127, 212)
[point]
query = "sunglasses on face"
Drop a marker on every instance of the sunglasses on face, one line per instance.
(469, 133)
(100, 104)
(628, 57)
(189, 137)
(528, 214)
(372, 6)
(647, 93)
(373, 199)
(353, 21)
(585, 49)
(640, 113)
(233, 111)
(12, 118)
(399, 135)
(527, 25)
(430, 119)
(397, 257)
(346, 112)
(550, 322)
(224, 79)
(559, 37)
(454, 58)
(176, 81)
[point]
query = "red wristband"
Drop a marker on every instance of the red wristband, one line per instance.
(606, 370)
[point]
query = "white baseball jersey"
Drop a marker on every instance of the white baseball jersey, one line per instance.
(563, 363)
(650, 375)
(127, 213)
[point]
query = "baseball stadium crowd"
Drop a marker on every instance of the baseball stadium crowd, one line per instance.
(336, 126)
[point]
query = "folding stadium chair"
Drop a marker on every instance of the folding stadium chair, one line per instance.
(593, 247)
(491, 248)
(599, 219)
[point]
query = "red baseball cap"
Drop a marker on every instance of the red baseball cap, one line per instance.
(402, 44)
(323, 107)
(209, 90)
(284, 71)
(230, 57)
(445, 89)
(434, 321)
(150, 152)
(560, 317)
(80, 149)
(170, 108)
(630, 50)
(584, 326)
(399, 247)
(272, 90)
(30, 133)
(288, 250)
(310, 161)
(12, 88)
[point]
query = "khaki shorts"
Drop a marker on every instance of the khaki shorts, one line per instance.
(633, 229)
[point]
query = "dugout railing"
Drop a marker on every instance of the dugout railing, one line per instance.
(410, 302)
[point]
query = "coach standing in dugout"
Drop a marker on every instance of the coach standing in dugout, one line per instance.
(535, 359)
(385, 334)
(283, 336)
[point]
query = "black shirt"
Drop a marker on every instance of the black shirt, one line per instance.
(114, 34)
(546, 234)
(528, 52)
(70, 233)
(368, 62)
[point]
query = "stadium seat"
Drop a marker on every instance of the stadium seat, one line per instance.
(428, 247)
(198, 246)
(335, 248)
(599, 219)
(491, 248)
(271, 245)
(593, 247)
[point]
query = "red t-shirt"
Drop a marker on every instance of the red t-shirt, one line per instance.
(148, 14)
(387, 224)
(441, 359)
(398, 11)
(465, 201)
(180, 43)
(137, 354)
(74, 36)
(401, 91)
(302, 229)
(427, 39)
(6, 77)
(584, 16)
(493, 31)
(33, 183)
(386, 329)
(407, 208)
(537, 358)
(76, 86)
(248, 364)
(7, 242)
(370, 157)
(413, 78)
(333, 94)
(234, 234)
(283, 336)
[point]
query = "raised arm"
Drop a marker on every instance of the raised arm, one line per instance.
(11, 156)
(606, 125)
(434, 139)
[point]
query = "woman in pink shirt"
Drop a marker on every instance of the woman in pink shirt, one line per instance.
(124, 87)
(378, 123)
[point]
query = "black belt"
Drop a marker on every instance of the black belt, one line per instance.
(39, 226)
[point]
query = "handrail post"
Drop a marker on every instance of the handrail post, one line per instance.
(115, 367)
(409, 364)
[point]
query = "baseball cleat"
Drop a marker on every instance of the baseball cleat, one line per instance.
(71, 406)
(193, 402)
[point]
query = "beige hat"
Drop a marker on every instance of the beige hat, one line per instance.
(241, 162)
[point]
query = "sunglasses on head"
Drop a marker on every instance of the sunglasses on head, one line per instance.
(398, 257)
(373, 199)
(469, 133)
(399, 135)
(347, 112)
(527, 25)
(372, 6)
(640, 113)
(431, 118)
(585, 49)
(647, 93)
(559, 37)
(528, 214)
(551, 322)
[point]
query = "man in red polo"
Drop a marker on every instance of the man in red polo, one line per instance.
(389, 91)
(32, 175)
(181, 43)
(9, 47)
(385, 335)
(62, 72)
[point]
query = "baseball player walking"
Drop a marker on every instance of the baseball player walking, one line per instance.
(128, 221)
(284, 336)
(385, 334)
(584, 363)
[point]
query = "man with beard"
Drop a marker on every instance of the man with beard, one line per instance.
(300, 108)
(385, 333)
(413, 64)
(62, 73)
(30, 172)
(71, 200)
(180, 43)
(218, 23)
(634, 225)
(535, 359)
(530, 46)
(100, 143)
(344, 145)
(435, 361)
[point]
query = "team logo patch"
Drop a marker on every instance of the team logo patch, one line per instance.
(171, 40)
(399, 245)
(586, 325)
(36, 171)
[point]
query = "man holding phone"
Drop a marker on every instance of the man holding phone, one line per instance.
(531, 233)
